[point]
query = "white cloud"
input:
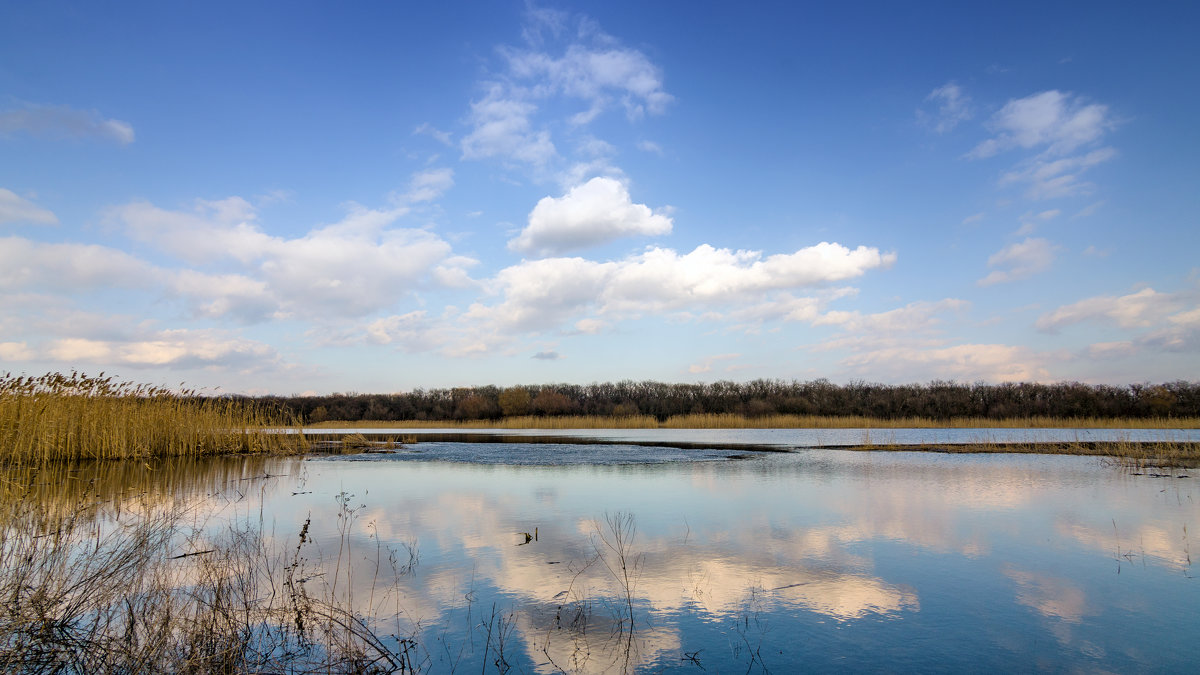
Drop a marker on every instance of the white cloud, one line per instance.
(212, 230)
(60, 121)
(590, 326)
(428, 185)
(651, 147)
(1020, 261)
(73, 267)
(915, 326)
(351, 268)
(15, 351)
(1050, 178)
(601, 74)
(501, 127)
(706, 365)
(1030, 220)
(1181, 333)
(170, 349)
(1171, 320)
(509, 121)
(1111, 350)
(227, 295)
(1142, 309)
(912, 318)
(595, 212)
(968, 362)
(1057, 121)
(440, 136)
(542, 294)
(14, 209)
(953, 107)
(411, 332)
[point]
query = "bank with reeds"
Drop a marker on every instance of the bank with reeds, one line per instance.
(58, 417)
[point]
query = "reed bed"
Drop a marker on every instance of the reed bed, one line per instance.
(735, 421)
(59, 417)
(1130, 454)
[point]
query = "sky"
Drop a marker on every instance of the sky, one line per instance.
(307, 197)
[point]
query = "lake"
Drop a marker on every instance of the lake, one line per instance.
(618, 557)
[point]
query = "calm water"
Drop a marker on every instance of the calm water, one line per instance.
(815, 560)
(801, 438)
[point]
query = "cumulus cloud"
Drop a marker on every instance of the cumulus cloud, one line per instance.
(573, 296)
(15, 209)
(595, 212)
(15, 351)
(26, 264)
(60, 121)
(1167, 321)
(954, 107)
(541, 294)
(1057, 121)
(170, 349)
(411, 332)
(1020, 261)
(209, 231)
(547, 356)
(351, 268)
(1142, 309)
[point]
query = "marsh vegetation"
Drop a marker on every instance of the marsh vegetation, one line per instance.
(73, 417)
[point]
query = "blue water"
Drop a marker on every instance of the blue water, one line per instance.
(817, 560)
(804, 438)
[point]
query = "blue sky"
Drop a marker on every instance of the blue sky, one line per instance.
(297, 197)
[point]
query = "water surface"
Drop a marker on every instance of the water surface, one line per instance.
(650, 559)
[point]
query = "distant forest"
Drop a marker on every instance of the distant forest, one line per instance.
(936, 400)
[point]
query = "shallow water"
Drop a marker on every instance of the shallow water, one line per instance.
(816, 560)
(794, 438)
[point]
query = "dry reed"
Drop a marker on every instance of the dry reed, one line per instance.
(59, 417)
(1130, 454)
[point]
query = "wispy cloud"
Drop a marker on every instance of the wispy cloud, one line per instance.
(706, 365)
(1057, 121)
(60, 122)
(15, 209)
(953, 107)
(1061, 127)
(542, 83)
(1020, 261)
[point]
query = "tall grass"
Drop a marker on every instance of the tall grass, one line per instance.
(735, 421)
(58, 417)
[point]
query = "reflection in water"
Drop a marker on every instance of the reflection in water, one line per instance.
(823, 560)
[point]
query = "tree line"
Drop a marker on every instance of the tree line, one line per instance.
(936, 400)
